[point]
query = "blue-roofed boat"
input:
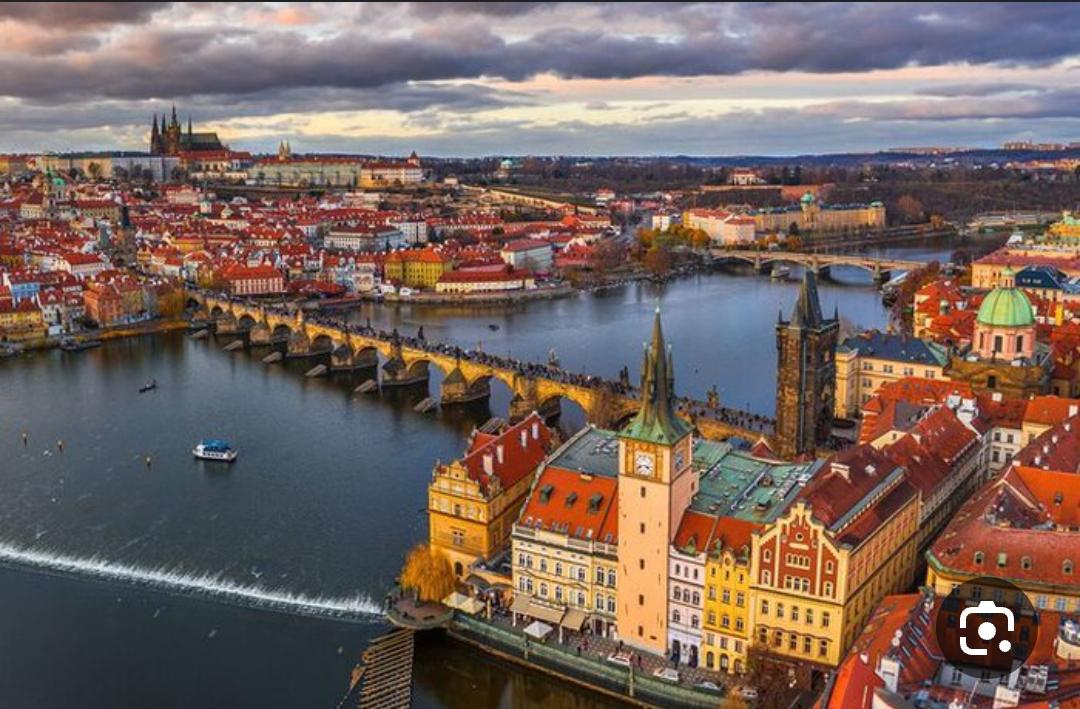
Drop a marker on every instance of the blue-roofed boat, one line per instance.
(213, 449)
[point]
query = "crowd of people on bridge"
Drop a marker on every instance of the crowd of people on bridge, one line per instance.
(691, 408)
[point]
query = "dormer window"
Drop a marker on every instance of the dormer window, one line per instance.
(978, 558)
(1025, 563)
(1067, 567)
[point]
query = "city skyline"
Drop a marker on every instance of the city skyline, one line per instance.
(591, 79)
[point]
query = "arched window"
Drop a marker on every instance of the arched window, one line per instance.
(675, 616)
(678, 593)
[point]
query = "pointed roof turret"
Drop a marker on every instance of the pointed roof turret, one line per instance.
(189, 125)
(657, 421)
(807, 312)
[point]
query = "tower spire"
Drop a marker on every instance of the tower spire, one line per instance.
(189, 125)
(657, 421)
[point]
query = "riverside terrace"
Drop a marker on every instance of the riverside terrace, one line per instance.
(535, 387)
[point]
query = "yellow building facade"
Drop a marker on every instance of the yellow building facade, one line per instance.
(416, 269)
(866, 362)
(726, 623)
(474, 501)
(816, 582)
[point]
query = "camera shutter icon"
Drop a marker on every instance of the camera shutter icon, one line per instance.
(986, 630)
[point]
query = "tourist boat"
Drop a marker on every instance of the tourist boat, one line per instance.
(493, 327)
(149, 386)
(211, 449)
(780, 272)
(70, 344)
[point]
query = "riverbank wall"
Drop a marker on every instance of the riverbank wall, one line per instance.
(610, 680)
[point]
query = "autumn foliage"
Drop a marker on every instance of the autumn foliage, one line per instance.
(428, 573)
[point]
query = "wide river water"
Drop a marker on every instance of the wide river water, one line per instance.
(183, 584)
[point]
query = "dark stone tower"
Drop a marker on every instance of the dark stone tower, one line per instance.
(155, 139)
(806, 374)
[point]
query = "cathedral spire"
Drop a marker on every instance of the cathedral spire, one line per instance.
(189, 125)
(155, 137)
(174, 121)
(657, 421)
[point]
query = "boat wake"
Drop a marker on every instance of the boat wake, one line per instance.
(215, 587)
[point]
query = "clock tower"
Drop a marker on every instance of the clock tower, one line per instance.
(656, 484)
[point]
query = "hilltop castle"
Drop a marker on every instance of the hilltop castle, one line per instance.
(171, 139)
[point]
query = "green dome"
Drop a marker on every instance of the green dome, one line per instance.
(807, 198)
(1006, 307)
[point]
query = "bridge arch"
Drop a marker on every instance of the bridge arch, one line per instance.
(247, 322)
(322, 343)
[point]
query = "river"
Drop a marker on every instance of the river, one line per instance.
(179, 583)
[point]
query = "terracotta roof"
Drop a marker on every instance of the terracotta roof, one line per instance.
(523, 447)
(579, 505)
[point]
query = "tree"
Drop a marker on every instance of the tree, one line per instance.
(910, 209)
(94, 169)
(428, 573)
(658, 260)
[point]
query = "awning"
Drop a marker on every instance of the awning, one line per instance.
(538, 630)
(574, 619)
(463, 603)
(525, 605)
(551, 615)
(520, 604)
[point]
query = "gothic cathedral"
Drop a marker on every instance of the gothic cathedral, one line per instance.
(656, 484)
(806, 374)
(171, 139)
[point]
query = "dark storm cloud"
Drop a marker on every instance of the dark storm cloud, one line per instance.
(716, 40)
(79, 14)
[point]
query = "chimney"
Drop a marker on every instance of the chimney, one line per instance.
(499, 453)
(536, 430)
(524, 438)
(842, 470)
(489, 466)
(1073, 410)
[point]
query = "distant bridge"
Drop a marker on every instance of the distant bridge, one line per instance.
(467, 373)
(879, 268)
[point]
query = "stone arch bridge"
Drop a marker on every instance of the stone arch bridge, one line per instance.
(762, 261)
(466, 375)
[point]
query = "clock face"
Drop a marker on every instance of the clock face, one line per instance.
(643, 464)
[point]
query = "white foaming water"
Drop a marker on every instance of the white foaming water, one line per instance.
(211, 586)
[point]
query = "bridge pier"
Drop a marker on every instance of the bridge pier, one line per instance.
(881, 276)
(821, 271)
(227, 325)
(455, 389)
(342, 359)
(298, 346)
(396, 373)
(260, 336)
(520, 407)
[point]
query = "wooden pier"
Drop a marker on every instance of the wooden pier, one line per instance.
(383, 678)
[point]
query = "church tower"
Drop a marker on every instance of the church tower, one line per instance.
(155, 138)
(806, 374)
(656, 484)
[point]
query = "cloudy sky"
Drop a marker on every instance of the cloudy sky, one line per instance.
(542, 78)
